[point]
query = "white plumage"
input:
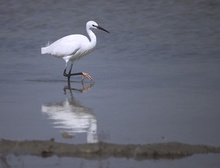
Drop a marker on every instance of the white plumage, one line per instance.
(73, 47)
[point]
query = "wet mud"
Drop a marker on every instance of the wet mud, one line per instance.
(172, 150)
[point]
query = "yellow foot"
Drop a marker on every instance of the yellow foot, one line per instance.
(87, 76)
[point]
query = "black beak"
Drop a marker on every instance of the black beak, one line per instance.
(98, 27)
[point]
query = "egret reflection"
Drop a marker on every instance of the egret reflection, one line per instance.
(71, 117)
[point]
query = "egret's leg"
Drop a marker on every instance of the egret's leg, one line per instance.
(71, 66)
(64, 72)
(76, 74)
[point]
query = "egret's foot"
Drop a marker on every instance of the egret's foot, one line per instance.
(84, 75)
(87, 76)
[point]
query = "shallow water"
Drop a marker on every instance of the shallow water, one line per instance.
(156, 77)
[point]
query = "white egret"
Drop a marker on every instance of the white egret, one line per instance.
(73, 47)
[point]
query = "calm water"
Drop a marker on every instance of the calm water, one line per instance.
(156, 78)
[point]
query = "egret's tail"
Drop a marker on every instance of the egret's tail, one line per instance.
(44, 50)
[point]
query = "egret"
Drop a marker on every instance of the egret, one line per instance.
(73, 47)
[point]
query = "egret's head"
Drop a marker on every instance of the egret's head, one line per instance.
(94, 25)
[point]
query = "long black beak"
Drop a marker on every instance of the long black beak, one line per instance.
(98, 27)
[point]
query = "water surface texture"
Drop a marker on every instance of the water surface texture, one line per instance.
(156, 78)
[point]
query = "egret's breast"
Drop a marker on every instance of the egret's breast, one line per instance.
(83, 51)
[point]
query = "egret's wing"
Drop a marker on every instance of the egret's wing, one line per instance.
(65, 46)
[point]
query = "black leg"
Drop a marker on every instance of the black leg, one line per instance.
(70, 68)
(64, 73)
(76, 74)
(69, 74)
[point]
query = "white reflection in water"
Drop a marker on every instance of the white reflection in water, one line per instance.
(72, 117)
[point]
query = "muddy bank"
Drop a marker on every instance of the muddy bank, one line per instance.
(172, 150)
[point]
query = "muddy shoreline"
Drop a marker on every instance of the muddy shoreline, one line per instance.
(172, 150)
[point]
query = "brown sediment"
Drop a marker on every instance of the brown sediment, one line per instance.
(172, 150)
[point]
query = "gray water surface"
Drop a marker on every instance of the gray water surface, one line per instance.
(156, 78)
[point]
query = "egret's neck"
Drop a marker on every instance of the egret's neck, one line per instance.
(92, 37)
